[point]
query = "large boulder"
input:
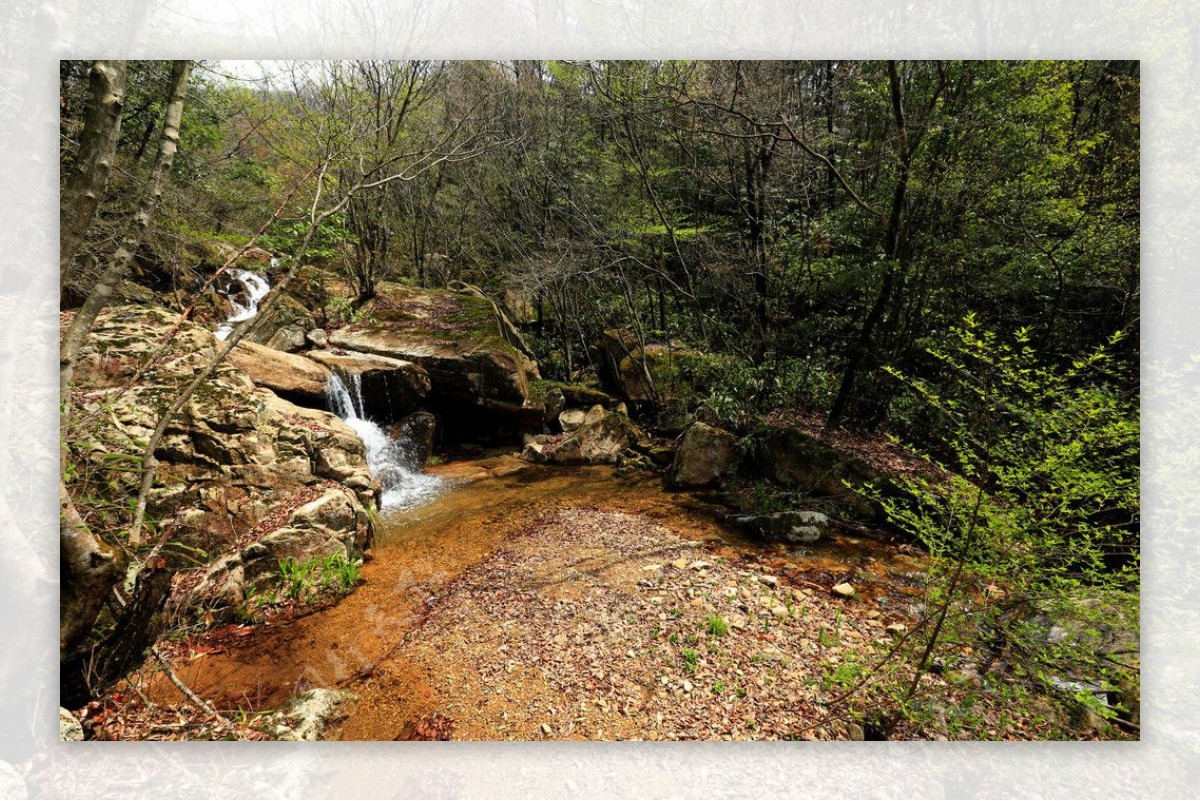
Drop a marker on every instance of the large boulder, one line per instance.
(704, 455)
(235, 464)
(415, 435)
(283, 325)
(296, 378)
(329, 525)
(390, 388)
(793, 459)
(650, 375)
(458, 340)
(600, 439)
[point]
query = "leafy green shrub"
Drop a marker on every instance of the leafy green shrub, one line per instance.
(740, 392)
(716, 626)
(690, 659)
(1031, 525)
(332, 574)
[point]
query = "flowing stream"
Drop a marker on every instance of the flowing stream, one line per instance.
(391, 461)
(255, 287)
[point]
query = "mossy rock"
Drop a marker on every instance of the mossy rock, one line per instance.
(655, 375)
(455, 337)
(795, 460)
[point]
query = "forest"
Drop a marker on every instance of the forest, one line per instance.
(599, 400)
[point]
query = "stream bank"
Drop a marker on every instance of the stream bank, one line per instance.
(524, 591)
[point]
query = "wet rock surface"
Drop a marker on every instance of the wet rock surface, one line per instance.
(391, 388)
(457, 339)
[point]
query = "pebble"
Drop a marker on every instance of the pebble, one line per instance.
(779, 611)
(897, 628)
(874, 613)
(770, 581)
(843, 590)
(546, 728)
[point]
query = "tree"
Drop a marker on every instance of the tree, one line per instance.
(1032, 522)
(90, 566)
(97, 149)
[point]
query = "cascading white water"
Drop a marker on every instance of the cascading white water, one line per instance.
(256, 286)
(390, 460)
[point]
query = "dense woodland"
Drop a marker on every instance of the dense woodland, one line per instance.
(941, 252)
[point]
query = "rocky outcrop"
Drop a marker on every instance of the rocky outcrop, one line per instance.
(330, 525)
(391, 388)
(295, 378)
(569, 420)
(457, 339)
(284, 325)
(244, 475)
(69, 728)
(601, 438)
(704, 455)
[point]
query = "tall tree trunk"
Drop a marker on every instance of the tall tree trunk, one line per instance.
(118, 265)
(861, 355)
(93, 164)
(90, 568)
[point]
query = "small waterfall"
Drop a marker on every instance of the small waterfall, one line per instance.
(390, 461)
(254, 287)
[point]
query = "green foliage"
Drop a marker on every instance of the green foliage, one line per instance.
(690, 659)
(739, 392)
(716, 626)
(332, 574)
(1031, 524)
(331, 234)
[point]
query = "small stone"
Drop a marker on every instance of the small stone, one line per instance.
(770, 581)
(874, 613)
(843, 590)
(698, 565)
(680, 564)
(687, 686)
(897, 628)
(651, 567)
(546, 729)
(855, 731)
(779, 611)
(69, 728)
